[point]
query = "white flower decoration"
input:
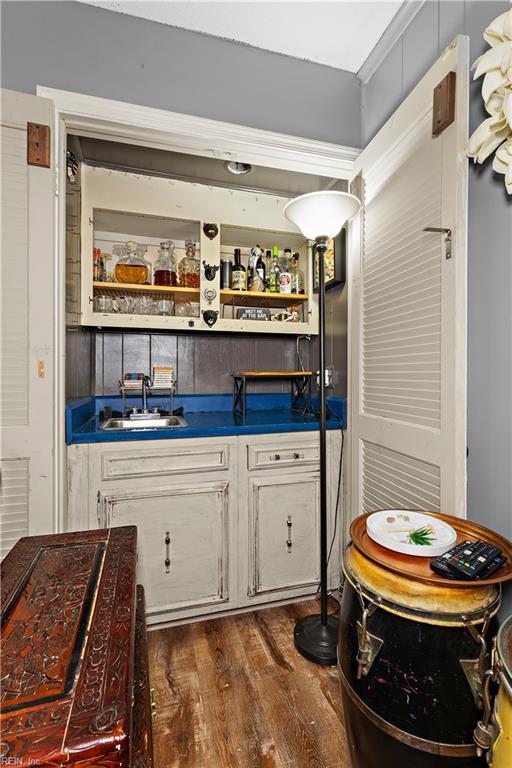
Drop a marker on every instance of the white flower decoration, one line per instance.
(502, 163)
(495, 133)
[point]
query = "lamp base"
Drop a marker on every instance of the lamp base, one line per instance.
(316, 641)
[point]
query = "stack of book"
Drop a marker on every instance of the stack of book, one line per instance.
(133, 381)
(163, 377)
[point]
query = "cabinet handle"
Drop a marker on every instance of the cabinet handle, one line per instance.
(296, 455)
(152, 700)
(276, 456)
(289, 534)
(167, 552)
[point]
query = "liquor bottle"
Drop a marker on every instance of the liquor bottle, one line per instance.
(239, 275)
(284, 261)
(260, 269)
(285, 278)
(274, 272)
(268, 263)
(297, 275)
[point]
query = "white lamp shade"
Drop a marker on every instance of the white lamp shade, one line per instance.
(321, 214)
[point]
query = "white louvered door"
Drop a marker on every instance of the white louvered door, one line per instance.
(26, 326)
(408, 308)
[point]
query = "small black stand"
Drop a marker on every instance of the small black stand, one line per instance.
(300, 389)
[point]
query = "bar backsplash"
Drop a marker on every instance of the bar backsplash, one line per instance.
(202, 362)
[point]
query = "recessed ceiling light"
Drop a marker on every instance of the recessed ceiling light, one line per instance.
(238, 169)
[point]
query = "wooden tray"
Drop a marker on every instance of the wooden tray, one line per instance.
(418, 568)
(273, 374)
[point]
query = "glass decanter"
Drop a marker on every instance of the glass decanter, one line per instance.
(131, 268)
(189, 267)
(165, 265)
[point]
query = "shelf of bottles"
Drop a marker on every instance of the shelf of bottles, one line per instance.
(140, 278)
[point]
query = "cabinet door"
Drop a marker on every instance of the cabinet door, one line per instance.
(283, 532)
(182, 542)
(28, 297)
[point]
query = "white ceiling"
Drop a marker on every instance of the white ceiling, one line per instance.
(338, 34)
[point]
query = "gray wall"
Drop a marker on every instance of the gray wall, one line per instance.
(79, 363)
(490, 253)
(80, 48)
(89, 50)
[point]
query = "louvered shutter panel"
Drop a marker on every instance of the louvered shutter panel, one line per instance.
(13, 278)
(401, 287)
(14, 487)
(27, 305)
(408, 308)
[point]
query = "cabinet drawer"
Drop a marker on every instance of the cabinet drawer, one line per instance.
(158, 462)
(182, 542)
(280, 454)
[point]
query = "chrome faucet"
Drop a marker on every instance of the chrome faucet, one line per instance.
(146, 382)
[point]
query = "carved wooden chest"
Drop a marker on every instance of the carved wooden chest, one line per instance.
(74, 677)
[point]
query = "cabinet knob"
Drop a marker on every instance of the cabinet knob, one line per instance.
(276, 456)
(296, 455)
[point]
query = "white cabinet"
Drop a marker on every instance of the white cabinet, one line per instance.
(183, 541)
(222, 523)
(118, 206)
(283, 526)
(183, 491)
(279, 515)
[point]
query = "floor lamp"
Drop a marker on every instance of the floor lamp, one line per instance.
(320, 216)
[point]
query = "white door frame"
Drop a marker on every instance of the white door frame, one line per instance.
(161, 129)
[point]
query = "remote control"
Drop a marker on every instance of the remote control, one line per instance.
(471, 560)
(491, 567)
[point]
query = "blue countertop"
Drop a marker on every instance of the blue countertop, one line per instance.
(206, 416)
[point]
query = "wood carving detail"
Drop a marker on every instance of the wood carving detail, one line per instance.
(90, 725)
(39, 639)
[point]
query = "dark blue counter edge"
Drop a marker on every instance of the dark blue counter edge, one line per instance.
(82, 422)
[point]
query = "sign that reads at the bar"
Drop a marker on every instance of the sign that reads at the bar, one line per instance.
(254, 313)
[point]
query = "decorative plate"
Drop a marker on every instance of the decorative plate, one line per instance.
(411, 533)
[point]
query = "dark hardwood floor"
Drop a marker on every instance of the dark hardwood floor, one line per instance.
(234, 693)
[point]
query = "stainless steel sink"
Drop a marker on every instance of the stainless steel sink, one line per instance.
(154, 422)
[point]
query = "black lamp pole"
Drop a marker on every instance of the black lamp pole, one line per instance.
(316, 636)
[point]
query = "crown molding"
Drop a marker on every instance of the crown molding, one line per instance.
(391, 34)
(132, 123)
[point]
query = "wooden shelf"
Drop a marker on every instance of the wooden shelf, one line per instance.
(160, 290)
(257, 299)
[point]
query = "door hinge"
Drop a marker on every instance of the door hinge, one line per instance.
(443, 107)
(39, 138)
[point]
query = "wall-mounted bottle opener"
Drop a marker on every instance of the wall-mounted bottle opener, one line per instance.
(209, 294)
(210, 316)
(210, 271)
(211, 230)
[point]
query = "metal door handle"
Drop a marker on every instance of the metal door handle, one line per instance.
(167, 560)
(289, 534)
(447, 240)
